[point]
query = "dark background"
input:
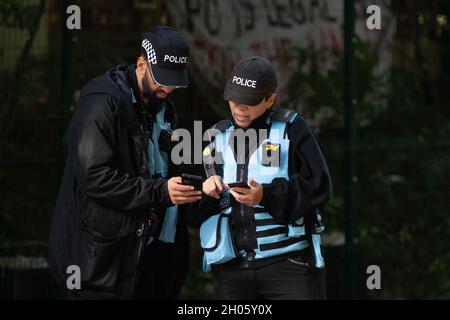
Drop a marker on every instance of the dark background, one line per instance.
(386, 141)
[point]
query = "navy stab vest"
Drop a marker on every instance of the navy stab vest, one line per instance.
(272, 238)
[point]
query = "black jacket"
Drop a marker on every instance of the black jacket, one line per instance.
(106, 195)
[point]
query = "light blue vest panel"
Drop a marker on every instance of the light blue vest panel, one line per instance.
(159, 164)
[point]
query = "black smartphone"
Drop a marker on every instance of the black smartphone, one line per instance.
(192, 180)
(239, 184)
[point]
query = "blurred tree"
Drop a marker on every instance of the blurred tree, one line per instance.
(403, 166)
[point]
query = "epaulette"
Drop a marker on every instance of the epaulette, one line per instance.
(222, 125)
(284, 115)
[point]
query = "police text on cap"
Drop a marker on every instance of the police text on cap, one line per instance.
(175, 59)
(244, 82)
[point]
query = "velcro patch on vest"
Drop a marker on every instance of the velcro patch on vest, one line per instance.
(225, 201)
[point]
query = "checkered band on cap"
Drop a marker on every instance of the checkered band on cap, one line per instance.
(151, 55)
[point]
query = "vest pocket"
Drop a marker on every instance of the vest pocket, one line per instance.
(102, 261)
(216, 241)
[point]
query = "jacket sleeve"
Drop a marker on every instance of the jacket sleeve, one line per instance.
(309, 185)
(92, 142)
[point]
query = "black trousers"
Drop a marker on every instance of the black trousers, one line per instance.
(289, 279)
(163, 271)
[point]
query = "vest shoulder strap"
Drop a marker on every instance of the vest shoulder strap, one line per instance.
(280, 119)
(222, 125)
(284, 115)
(170, 114)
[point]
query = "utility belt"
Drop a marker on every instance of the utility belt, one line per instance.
(245, 263)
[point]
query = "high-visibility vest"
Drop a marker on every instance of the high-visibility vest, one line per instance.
(272, 237)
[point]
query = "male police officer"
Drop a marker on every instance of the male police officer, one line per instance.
(263, 242)
(116, 215)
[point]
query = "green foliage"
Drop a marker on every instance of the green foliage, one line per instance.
(403, 167)
(28, 175)
(317, 85)
(15, 14)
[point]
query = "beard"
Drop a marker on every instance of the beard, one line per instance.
(147, 92)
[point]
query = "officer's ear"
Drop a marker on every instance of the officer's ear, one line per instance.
(141, 65)
(271, 99)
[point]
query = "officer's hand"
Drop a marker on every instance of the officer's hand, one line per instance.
(181, 194)
(213, 186)
(250, 197)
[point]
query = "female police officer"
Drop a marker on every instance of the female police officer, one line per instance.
(261, 239)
